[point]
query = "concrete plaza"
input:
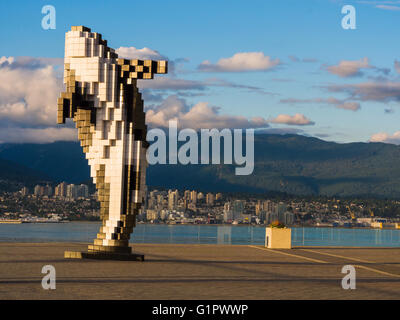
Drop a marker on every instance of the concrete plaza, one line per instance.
(172, 271)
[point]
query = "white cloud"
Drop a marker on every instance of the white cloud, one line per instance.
(147, 54)
(386, 138)
(298, 119)
(29, 88)
(241, 62)
(142, 54)
(28, 96)
(199, 116)
(348, 68)
(6, 61)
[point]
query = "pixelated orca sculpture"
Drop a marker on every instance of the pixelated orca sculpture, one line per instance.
(103, 100)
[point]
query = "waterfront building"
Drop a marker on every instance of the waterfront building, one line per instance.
(173, 199)
(238, 209)
(72, 191)
(38, 190)
(151, 214)
(288, 218)
(24, 191)
(193, 197)
(227, 212)
(210, 199)
(187, 195)
(268, 206)
(271, 217)
(61, 190)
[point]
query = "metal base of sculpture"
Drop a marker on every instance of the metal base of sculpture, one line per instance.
(98, 255)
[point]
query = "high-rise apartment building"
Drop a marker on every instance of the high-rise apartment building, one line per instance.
(210, 199)
(173, 199)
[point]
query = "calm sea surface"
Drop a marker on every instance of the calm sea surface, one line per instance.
(211, 234)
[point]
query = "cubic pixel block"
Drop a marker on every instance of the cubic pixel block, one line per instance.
(103, 100)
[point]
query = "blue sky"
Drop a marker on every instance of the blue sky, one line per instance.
(343, 83)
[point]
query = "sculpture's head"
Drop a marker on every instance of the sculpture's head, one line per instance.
(93, 74)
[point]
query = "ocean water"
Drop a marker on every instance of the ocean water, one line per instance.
(200, 234)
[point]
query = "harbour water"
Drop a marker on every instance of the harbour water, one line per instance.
(200, 234)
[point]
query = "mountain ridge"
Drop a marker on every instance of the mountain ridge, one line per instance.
(289, 163)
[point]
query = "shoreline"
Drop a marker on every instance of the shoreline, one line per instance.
(205, 224)
(203, 234)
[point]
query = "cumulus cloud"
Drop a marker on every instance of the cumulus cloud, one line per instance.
(28, 93)
(199, 116)
(340, 104)
(298, 119)
(171, 82)
(30, 62)
(349, 68)
(29, 88)
(6, 61)
(386, 138)
(142, 54)
(241, 62)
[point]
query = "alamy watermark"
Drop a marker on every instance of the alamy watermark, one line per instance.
(188, 152)
(349, 20)
(49, 20)
(49, 280)
(349, 280)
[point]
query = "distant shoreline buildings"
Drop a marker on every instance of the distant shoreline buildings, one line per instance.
(62, 190)
(196, 207)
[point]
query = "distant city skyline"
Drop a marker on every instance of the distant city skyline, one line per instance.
(187, 206)
(277, 66)
(63, 190)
